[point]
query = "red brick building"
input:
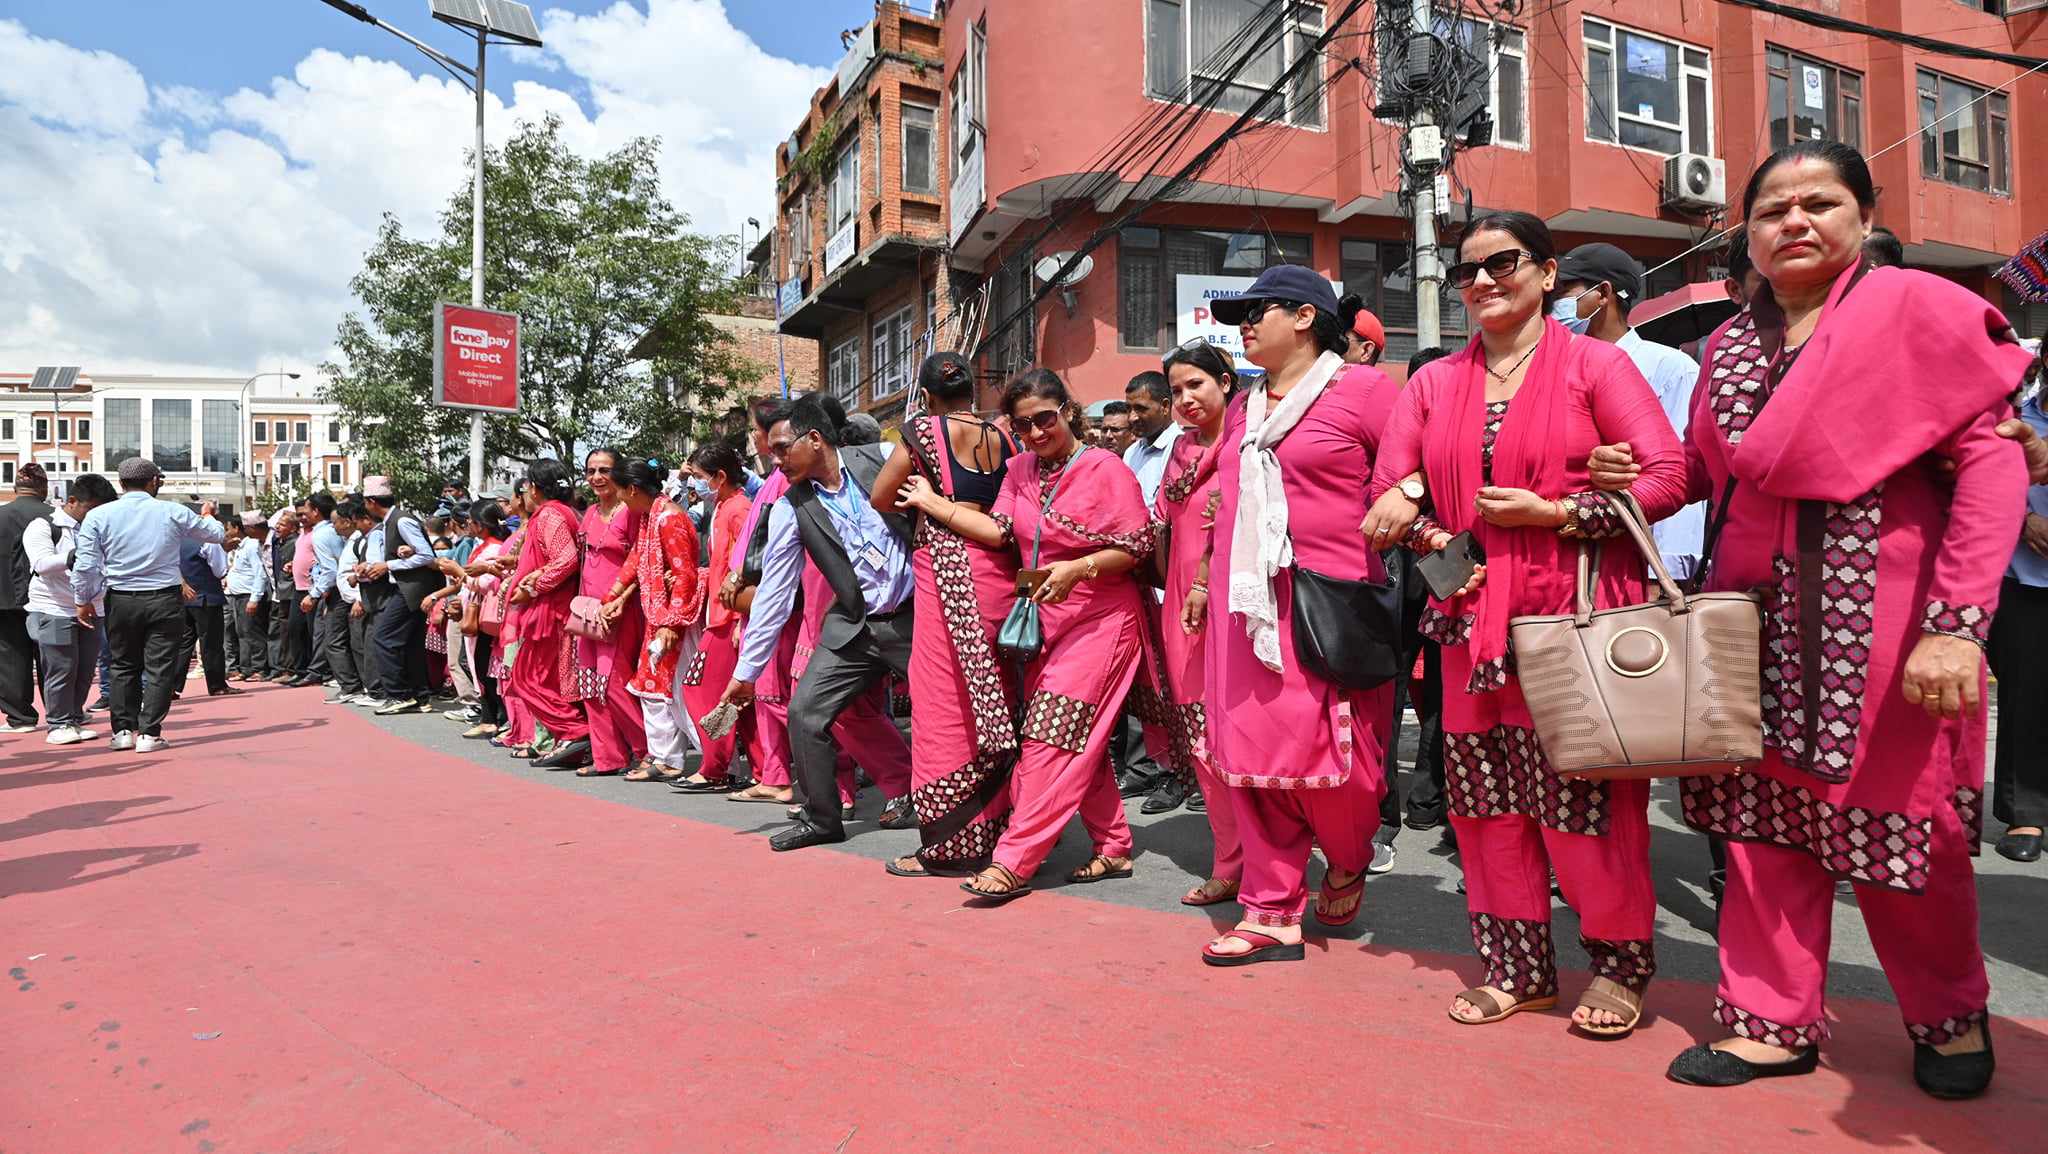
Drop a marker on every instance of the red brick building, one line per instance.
(1589, 100)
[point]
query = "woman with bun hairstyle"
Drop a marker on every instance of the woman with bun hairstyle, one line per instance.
(1079, 509)
(966, 741)
(663, 568)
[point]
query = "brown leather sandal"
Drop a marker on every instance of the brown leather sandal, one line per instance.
(1598, 998)
(1489, 997)
(1101, 868)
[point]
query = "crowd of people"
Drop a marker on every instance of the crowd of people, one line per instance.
(1079, 614)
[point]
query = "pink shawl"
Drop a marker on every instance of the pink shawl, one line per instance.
(1530, 454)
(1864, 399)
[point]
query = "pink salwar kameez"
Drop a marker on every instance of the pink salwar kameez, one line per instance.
(1183, 504)
(1301, 757)
(540, 672)
(1903, 368)
(663, 565)
(704, 679)
(601, 669)
(1516, 819)
(966, 742)
(1093, 651)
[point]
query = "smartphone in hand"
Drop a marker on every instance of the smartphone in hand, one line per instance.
(1448, 569)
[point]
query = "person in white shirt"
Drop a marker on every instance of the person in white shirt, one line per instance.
(1153, 430)
(248, 587)
(68, 647)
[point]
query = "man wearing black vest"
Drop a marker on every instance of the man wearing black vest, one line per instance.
(861, 573)
(17, 652)
(202, 565)
(399, 630)
(286, 662)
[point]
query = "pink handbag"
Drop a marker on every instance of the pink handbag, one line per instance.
(586, 618)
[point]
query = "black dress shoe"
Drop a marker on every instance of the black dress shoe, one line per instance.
(2020, 847)
(1196, 802)
(1705, 1066)
(1165, 799)
(574, 755)
(1428, 818)
(303, 680)
(899, 814)
(1953, 1076)
(226, 691)
(1135, 784)
(803, 835)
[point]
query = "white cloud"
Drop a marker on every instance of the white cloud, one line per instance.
(169, 228)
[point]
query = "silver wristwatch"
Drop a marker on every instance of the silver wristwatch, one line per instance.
(1412, 489)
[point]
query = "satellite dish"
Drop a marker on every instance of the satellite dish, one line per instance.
(1049, 267)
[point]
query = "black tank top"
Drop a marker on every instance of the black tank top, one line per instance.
(970, 484)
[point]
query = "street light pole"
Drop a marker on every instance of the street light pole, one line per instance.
(513, 24)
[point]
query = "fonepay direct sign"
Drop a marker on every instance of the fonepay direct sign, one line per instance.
(1192, 295)
(476, 358)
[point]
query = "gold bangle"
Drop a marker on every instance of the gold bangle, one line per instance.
(1093, 572)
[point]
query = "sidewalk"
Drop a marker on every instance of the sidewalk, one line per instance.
(296, 931)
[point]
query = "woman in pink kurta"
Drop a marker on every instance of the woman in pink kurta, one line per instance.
(600, 668)
(1081, 512)
(1501, 432)
(663, 567)
(1847, 420)
(1301, 755)
(542, 586)
(965, 740)
(717, 648)
(1202, 380)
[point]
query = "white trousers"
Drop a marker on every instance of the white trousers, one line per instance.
(671, 732)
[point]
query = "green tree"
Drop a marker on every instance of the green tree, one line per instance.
(614, 295)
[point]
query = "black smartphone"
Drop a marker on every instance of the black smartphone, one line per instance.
(1446, 570)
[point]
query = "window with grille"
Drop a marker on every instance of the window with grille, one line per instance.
(1191, 46)
(1647, 92)
(1809, 99)
(1150, 259)
(892, 354)
(1965, 136)
(919, 132)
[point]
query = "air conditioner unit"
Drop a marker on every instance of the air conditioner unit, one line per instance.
(1695, 184)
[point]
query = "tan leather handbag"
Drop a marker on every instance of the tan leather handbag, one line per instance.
(1667, 689)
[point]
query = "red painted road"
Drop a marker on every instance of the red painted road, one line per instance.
(297, 933)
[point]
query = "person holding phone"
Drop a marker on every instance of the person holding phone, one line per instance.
(1496, 437)
(1080, 510)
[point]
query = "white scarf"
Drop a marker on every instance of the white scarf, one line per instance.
(1260, 548)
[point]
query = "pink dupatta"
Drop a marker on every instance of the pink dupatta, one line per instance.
(1530, 454)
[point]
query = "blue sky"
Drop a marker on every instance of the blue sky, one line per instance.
(221, 45)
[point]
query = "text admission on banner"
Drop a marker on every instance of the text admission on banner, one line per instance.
(476, 358)
(1192, 295)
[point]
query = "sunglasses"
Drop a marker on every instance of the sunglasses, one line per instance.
(1499, 266)
(1256, 311)
(1045, 421)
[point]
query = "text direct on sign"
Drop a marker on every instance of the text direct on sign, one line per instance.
(476, 358)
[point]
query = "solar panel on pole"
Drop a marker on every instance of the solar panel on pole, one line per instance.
(513, 21)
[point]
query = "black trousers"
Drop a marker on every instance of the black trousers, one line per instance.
(18, 667)
(492, 702)
(252, 630)
(2019, 656)
(275, 626)
(298, 636)
(361, 649)
(337, 643)
(399, 635)
(203, 629)
(145, 636)
(831, 682)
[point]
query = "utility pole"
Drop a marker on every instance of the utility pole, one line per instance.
(476, 266)
(1425, 154)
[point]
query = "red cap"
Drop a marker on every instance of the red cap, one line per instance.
(1368, 327)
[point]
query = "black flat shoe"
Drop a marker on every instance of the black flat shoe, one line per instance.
(1197, 803)
(1135, 784)
(1954, 1076)
(574, 755)
(1705, 1066)
(2020, 847)
(803, 835)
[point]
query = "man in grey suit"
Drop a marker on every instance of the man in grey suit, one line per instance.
(861, 558)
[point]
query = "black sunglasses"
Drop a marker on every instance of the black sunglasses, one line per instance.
(1045, 421)
(1499, 266)
(1256, 311)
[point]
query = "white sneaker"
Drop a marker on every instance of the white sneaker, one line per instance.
(368, 701)
(10, 727)
(1382, 859)
(123, 740)
(85, 734)
(149, 744)
(65, 735)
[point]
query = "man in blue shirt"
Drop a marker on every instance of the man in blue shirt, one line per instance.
(320, 601)
(129, 550)
(1153, 430)
(1596, 286)
(399, 629)
(864, 558)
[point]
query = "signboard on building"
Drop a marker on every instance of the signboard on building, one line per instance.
(967, 192)
(789, 296)
(476, 358)
(1192, 295)
(839, 249)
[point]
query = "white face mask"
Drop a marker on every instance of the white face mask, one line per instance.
(1566, 312)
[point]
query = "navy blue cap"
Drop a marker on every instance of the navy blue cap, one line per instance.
(1283, 282)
